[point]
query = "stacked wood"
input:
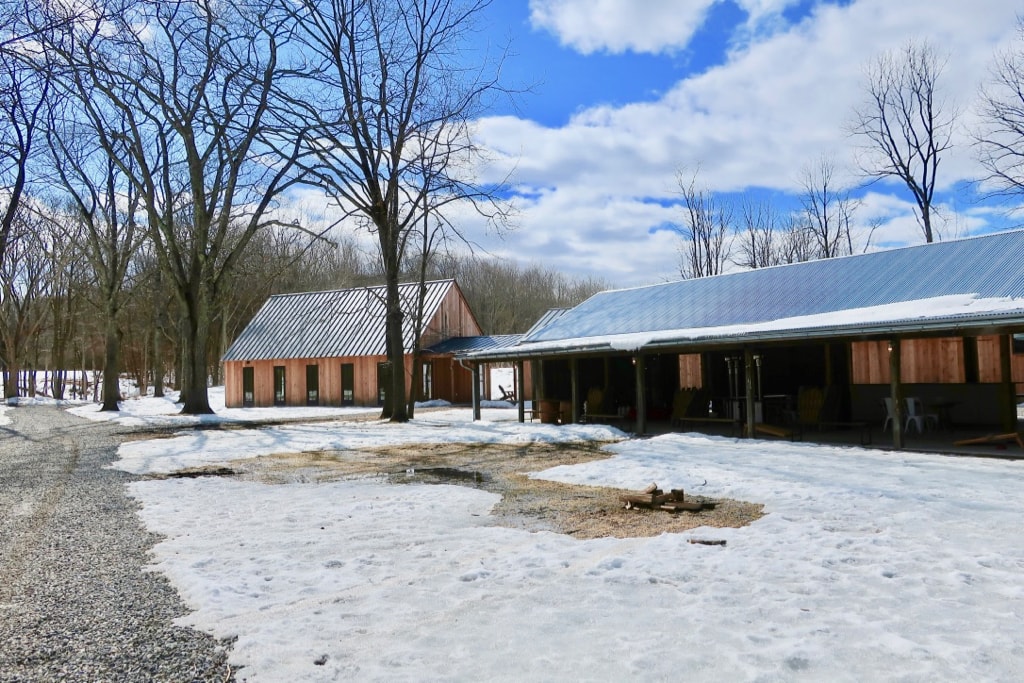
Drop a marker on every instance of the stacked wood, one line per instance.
(654, 498)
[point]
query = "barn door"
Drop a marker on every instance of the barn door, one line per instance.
(248, 388)
(279, 386)
(312, 385)
(348, 384)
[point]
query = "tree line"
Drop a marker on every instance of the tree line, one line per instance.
(146, 146)
(906, 128)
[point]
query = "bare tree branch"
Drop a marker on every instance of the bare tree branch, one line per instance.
(905, 126)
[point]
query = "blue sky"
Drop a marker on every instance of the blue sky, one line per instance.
(628, 94)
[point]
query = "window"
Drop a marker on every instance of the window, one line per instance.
(383, 376)
(428, 382)
(248, 388)
(1018, 343)
(348, 384)
(279, 393)
(312, 385)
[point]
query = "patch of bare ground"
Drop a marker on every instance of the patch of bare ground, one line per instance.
(532, 504)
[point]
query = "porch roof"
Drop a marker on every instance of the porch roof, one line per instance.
(958, 287)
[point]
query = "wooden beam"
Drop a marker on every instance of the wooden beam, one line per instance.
(748, 377)
(1007, 389)
(830, 378)
(574, 380)
(476, 391)
(896, 393)
(641, 394)
(521, 389)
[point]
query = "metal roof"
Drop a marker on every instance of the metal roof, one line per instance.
(331, 324)
(472, 344)
(990, 266)
(549, 317)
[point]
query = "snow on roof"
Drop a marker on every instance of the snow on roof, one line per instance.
(954, 284)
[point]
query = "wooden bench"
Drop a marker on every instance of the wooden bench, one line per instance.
(598, 417)
(998, 439)
(773, 430)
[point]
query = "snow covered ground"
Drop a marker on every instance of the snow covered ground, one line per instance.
(869, 565)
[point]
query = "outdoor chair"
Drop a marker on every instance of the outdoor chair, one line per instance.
(594, 409)
(890, 413)
(917, 417)
(509, 396)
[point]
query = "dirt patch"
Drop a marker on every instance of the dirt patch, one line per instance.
(531, 504)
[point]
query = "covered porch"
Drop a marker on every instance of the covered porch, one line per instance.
(900, 391)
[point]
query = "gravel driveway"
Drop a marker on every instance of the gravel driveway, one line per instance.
(75, 601)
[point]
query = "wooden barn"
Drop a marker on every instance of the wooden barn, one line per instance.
(906, 340)
(328, 348)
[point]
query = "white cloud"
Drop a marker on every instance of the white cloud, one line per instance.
(776, 105)
(620, 25)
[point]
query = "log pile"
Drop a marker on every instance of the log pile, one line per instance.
(654, 498)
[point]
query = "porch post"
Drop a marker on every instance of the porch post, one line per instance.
(476, 391)
(1007, 389)
(641, 394)
(896, 393)
(748, 376)
(574, 381)
(521, 389)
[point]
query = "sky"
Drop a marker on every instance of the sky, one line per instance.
(624, 96)
(868, 564)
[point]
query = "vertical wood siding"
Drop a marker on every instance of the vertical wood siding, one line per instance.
(451, 382)
(689, 370)
(930, 361)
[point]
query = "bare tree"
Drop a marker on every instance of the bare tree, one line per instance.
(68, 275)
(797, 244)
(389, 98)
(105, 204)
(706, 231)
(24, 280)
(184, 109)
(23, 95)
(828, 210)
(906, 126)
(758, 235)
(507, 297)
(1000, 139)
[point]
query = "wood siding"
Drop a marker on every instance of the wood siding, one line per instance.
(931, 361)
(451, 382)
(988, 363)
(453, 319)
(689, 370)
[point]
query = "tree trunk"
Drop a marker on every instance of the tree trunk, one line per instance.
(11, 380)
(196, 400)
(58, 382)
(157, 364)
(111, 385)
(396, 350)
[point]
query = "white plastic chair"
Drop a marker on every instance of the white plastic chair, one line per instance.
(890, 414)
(916, 416)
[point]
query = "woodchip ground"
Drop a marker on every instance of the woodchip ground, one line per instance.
(526, 503)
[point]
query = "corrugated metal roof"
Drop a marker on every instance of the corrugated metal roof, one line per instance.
(472, 344)
(987, 266)
(549, 317)
(331, 324)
